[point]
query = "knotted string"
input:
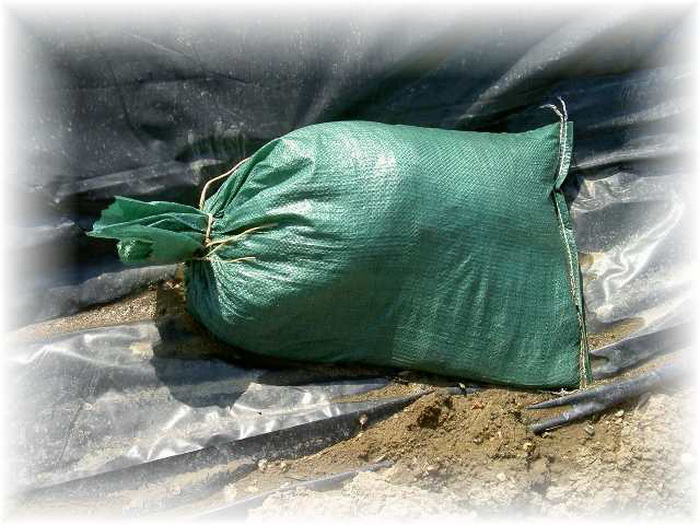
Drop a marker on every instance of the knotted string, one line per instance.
(222, 242)
(203, 196)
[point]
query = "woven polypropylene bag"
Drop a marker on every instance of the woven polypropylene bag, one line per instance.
(436, 250)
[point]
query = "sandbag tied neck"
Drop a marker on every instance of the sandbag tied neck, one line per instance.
(155, 232)
(161, 232)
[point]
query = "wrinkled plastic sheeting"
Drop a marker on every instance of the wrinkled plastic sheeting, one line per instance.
(100, 400)
(628, 197)
(139, 119)
(636, 349)
(631, 218)
(153, 114)
(106, 286)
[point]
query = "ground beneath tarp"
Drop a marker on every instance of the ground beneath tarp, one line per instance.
(467, 455)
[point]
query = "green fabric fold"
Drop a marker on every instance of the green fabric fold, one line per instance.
(153, 232)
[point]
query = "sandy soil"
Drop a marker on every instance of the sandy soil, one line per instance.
(475, 454)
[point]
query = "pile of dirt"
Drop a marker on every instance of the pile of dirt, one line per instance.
(475, 454)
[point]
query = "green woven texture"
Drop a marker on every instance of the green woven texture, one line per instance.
(436, 250)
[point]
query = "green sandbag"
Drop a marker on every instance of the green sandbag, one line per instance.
(427, 249)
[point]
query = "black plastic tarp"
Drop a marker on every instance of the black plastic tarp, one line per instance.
(107, 402)
(153, 107)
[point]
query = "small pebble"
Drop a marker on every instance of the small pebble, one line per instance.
(284, 466)
(619, 413)
(528, 446)
(590, 430)
(262, 465)
(363, 420)
(501, 476)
